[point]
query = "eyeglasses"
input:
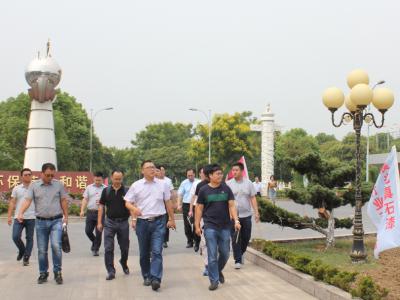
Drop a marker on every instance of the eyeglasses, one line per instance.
(27, 174)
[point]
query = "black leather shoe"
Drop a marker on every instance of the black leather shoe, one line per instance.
(147, 282)
(196, 248)
(155, 285)
(43, 277)
(20, 256)
(165, 245)
(25, 261)
(95, 252)
(58, 278)
(189, 245)
(110, 276)
(221, 277)
(213, 286)
(124, 268)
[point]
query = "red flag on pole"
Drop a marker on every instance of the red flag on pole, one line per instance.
(245, 172)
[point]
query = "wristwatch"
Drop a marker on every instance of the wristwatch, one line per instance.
(237, 222)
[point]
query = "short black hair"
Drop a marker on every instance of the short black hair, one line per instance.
(49, 166)
(145, 162)
(190, 169)
(25, 169)
(206, 169)
(117, 171)
(98, 174)
(238, 164)
(211, 169)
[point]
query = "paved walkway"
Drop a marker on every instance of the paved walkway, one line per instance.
(84, 275)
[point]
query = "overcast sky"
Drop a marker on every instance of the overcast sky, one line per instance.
(152, 60)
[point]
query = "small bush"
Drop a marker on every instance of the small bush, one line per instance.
(74, 210)
(3, 207)
(368, 290)
(363, 288)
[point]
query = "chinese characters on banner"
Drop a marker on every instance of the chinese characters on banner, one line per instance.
(384, 205)
(74, 182)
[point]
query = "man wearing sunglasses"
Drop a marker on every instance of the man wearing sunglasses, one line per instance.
(17, 199)
(51, 205)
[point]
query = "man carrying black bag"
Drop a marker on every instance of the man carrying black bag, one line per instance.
(66, 247)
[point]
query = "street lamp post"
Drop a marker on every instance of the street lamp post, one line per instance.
(92, 117)
(361, 95)
(208, 117)
(368, 126)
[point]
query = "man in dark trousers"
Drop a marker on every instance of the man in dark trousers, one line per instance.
(91, 200)
(116, 223)
(17, 199)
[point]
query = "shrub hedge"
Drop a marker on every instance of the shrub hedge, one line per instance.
(358, 285)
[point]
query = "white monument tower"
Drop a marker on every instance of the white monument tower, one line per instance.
(267, 128)
(43, 74)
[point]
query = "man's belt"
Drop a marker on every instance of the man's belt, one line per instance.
(50, 218)
(118, 219)
(152, 219)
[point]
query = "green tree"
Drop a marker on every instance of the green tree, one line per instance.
(231, 138)
(72, 128)
(292, 144)
(168, 144)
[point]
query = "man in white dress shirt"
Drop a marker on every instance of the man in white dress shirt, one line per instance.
(145, 199)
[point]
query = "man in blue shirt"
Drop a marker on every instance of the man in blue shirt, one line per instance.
(184, 198)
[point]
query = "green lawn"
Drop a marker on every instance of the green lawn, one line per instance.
(338, 256)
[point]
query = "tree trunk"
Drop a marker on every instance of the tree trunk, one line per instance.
(330, 237)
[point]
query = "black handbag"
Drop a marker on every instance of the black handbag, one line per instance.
(65, 240)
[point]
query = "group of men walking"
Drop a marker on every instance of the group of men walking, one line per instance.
(214, 214)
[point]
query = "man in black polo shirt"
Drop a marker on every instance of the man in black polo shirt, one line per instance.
(216, 205)
(116, 223)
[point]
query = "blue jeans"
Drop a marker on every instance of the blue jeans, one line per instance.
(150, 238)
(218, 247)
(29, 225)
(46, 230)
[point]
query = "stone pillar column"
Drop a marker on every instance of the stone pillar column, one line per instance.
(267, 147)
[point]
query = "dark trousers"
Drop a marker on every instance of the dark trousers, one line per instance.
(91, 225)
(29, 225)
(240, 247)
(191, 236)
(121, 229)
(150, 236)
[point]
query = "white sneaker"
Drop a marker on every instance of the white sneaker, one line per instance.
(238, 266)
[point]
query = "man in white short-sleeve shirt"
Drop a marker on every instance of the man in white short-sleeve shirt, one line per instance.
(91, 200)
(149, 199)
